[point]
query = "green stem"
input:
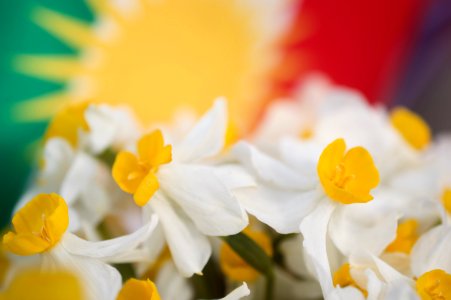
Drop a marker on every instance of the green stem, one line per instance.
(269, 287)
(255, 256)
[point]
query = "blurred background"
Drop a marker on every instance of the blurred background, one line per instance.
(188, 52)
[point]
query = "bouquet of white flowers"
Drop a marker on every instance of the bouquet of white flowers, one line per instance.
(328, 197)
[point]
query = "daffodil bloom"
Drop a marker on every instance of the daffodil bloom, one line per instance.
(346, 177)
(407, 175)
(147, 290)
(177, 182)
(308, 202)
(83, 181)
(40, 227)
(430, 265)
(69, 166)
(429, 262)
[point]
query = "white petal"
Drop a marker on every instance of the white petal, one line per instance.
(110, 127)
(400, 290)
(282, 210)
(388, 273)
(102, 128)
(156, 244)
(79, 176)
(282, 118)
(314, 229)
(171, 285)
(112, 249)
(374, 285)
(347, 293)
(301, 155)
(358, 227)
(100, 280)
(238, 293)
(204, 198)
(269, 169)
(207, 137)
(190, 249)
(432, 251)
(58, 156)
(235, 176)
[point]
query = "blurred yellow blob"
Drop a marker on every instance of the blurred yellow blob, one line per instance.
(135, 174)
(135, 289)
(234, 266)
(406, 236)
(4, 265)
(38, 285)
(342, 277)
(434, 285)
(155, 267)
(306, 134)
(446, 200)
(412, 127)
(159, 56)
(347, 177)
(68, 122)
(232, 134)
(39, 225)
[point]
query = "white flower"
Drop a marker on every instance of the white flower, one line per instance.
(178, 183)
(40, 228)
(83, 181)
(291, 193)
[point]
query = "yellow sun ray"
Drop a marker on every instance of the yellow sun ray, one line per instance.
(39, 108)
(57, 68)
(72, 31)
(104, 7)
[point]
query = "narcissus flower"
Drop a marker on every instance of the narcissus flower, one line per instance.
(346, 178)
(71, 166)
(40, 227)
(82, 180)
(181, 185)
(308, 201)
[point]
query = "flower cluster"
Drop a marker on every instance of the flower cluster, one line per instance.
(328, 197)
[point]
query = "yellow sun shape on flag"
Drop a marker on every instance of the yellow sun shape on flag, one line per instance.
(161, 55)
